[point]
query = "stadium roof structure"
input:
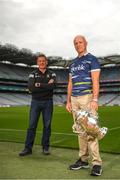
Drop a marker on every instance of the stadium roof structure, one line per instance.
(109, 60)
(10, 53)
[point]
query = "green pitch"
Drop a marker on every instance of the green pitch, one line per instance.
(14, 123)
(55, 166)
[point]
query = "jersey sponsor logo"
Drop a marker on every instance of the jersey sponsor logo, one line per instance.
(86, 62)
(77, 68)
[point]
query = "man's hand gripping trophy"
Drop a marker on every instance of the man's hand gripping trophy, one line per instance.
(88, 123)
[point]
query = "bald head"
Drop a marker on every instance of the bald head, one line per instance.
(80, 44)
(80, 37)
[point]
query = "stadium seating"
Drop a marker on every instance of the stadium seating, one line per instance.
(110, 74)
(13, 78)
(14, 99)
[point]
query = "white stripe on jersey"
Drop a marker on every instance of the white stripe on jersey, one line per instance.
(95, 70)
(74, 76)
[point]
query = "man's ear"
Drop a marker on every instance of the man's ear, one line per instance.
(46, 62)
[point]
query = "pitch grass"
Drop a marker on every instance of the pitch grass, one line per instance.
(14, 122)
(54, 166)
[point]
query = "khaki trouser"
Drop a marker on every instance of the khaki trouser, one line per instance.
(88, 146)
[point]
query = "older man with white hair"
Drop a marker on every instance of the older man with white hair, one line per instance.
(83, 93)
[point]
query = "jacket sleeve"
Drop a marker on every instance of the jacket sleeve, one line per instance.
(43, 86)
(49, 86)
(31, 82)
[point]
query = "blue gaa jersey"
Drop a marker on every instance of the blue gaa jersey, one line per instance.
(80, 71)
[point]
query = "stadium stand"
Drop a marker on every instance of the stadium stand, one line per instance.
(110, 74)
(105, 99)
(14, 77)
(14, 99)
(115, 102)
(13, 72)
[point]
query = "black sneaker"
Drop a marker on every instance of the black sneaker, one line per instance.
(96, 170)
(25, 152)
(46, 152)
(79, 164)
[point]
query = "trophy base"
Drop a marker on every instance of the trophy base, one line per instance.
(89, 125)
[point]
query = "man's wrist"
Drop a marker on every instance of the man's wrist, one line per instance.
(68, 102)
(95, 99)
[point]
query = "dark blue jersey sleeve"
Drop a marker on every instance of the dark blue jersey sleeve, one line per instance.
(95, 64)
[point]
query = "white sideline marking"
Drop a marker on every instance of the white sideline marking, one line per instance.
(68, 134)
(20, 130)
(55, 142)
(57, 133)
(114, 128)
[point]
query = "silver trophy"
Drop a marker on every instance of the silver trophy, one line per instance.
(88, 123)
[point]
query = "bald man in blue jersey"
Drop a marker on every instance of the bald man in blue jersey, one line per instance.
(83, 93)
